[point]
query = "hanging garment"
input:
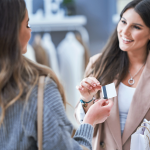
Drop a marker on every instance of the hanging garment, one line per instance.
(30, 53)
(72, 63)
(51, 53)
(40, 52)
(86, 50)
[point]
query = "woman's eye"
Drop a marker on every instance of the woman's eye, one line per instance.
(28, 26)
(123, 21)
(136, 27)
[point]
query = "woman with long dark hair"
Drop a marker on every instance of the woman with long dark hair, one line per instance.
(19, 93)
(125, 61)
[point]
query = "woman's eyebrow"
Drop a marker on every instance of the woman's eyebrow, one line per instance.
(134, 23)
(138, 24)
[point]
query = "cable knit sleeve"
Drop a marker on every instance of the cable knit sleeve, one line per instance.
(57, 128)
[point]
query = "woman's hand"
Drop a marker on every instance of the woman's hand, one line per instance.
(88, 87)
(98, 112)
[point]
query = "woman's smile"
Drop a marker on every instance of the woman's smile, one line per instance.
(126, 40)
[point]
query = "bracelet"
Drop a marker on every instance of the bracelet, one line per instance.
(85, 104)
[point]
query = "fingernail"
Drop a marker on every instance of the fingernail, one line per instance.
(94, 85)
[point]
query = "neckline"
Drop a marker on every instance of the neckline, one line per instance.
(127, 86)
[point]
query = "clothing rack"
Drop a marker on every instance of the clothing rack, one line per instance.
(69, 23)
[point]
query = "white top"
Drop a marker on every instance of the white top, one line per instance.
(125, 95)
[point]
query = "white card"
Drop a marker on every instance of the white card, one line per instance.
(109, 91)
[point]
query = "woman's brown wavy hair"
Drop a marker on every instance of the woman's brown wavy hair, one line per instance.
(18, 75)
(113, 63)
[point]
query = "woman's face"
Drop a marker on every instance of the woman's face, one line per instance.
(24, 33)
(133, 34)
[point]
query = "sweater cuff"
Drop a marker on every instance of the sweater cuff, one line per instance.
(84, 135)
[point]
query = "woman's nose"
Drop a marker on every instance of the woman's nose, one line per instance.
(126, 31)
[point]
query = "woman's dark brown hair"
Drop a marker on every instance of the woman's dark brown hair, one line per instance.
(113, 63)
(18, 75)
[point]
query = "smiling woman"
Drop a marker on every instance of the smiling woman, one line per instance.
(125, 60)
(129, 42)
(133, 34)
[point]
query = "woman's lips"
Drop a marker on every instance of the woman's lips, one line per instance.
(126, 41)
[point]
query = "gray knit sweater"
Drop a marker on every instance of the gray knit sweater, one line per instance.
(19, 131)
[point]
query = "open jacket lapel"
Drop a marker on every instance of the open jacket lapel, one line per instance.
(140, 103)
(113, 122)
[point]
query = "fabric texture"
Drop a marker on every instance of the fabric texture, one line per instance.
(80, 113)
(125, 95)
(19, 130)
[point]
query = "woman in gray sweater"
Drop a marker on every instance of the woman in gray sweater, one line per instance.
(18, 93)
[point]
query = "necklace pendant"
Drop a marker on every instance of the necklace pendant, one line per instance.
(131, 81)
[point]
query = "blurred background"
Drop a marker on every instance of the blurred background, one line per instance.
(66, 33)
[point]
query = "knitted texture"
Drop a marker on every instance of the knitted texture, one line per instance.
(19, 130)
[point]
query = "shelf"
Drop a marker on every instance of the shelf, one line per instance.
(70, 23)
(58, 24)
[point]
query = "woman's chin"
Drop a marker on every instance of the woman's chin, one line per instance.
(123, 48)
(24, 51)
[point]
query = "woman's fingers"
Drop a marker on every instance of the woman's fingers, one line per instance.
(97, 88)
(91, 81)
(106, 104)
(86, 85)
(110, 104)
(79, 88)
(102, 102)
(95, 80)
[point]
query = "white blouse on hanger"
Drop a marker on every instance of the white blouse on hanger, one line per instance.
(72, 62)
